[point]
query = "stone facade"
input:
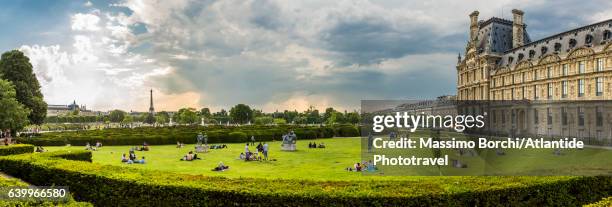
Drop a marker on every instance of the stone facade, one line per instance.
(566, 77)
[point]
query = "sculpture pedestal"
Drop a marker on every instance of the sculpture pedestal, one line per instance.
(288, 147)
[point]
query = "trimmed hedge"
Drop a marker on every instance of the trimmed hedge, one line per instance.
(107, 185)
(6, 182)
(606, 202)
(16, 149)
(187, 134)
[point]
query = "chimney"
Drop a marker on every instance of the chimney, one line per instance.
(518, 28)
(474, 25)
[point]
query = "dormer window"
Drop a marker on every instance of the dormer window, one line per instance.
(607, 35)
(572, 43)
(543, 50)
(510, 59)
(557, 47)
(521, 56)
(588, 39)
(531, 54)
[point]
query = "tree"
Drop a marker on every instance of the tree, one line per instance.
(127, 119)
(149, 118)
(205, 112)
(241, 113)
(116, 116)
(353, 117)
(328, 113)
(221, 116)
(162, 117)
(13, 115)
(187, 116)
(16, 68)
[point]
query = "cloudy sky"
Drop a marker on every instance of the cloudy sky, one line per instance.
(270, 54)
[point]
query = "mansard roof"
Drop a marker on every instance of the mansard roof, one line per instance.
(561, 44)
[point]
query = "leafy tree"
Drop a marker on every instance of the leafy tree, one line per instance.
(13, 115)
(162, 117)
(353, 117)
(328, 113)
(290, 116)
(127, 119)
(241, 113)
(149, 118)
(312, 115)
(187, 116)
(116, 116)
(16, 68)
(221, 116)
(205, 112)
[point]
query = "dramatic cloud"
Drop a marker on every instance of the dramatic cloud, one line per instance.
(272, 54)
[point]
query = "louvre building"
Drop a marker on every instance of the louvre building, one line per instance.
(558, 86)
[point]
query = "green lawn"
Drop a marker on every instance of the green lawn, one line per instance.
(329, 163)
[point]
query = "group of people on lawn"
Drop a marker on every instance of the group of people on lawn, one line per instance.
(364, 166)
(132, 159)
(314, 145)
(247, 155)
(93, 148)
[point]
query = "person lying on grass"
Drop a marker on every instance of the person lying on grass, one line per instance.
(190, 157)
(221, 167)
(40, 149)
(321, 145)
(141, 161)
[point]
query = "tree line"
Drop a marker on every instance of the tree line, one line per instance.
(239, 114)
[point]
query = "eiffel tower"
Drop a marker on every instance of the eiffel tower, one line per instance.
(151, 109)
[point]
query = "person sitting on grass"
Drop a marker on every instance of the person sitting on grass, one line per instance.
(309, 144)
(132, 156)
(98, 144)
(259, 147)
(357, 167)
(124, 158)
(40, 149)
(221, 167)
(321, 145)
(145, 146)
(191, 156)
(242, 156)
(141, 161)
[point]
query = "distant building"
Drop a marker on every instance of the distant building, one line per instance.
(58, 110)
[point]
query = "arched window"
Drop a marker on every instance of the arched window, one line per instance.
(607, 35)
(531, 53)
(521, 56)
(572, 43)
(510, 59)
(588, 39)
(557, 47)
(543, 50)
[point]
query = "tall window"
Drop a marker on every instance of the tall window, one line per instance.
(512, 95)
(598, 116)
(580, 116)
(563, 116)
(523, 79)
(565, 69)
(580, 87)
(535, 74)
(536, 118)
(599, 65)
(563, 89)
(549, 72)
(535, 92)
(550, 91)
(581, 67)
(523, 92)
(598, 86)
(503, 116)
(548, 116)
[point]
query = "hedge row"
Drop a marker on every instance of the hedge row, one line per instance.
(16, 149)
(106, 185)
(6, 182)
(187, 134)
(606, 202)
